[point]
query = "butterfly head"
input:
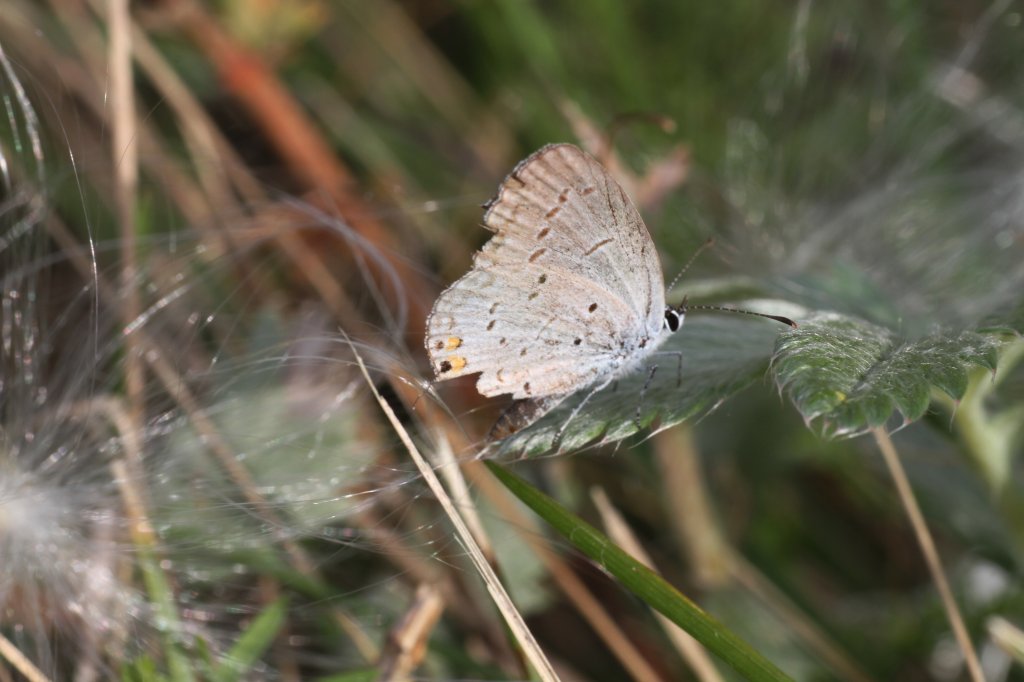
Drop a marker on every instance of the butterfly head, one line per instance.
(674, 316)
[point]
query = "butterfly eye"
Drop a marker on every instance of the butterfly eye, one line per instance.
(673, 319)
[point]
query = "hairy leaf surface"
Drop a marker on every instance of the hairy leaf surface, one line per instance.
(848, 375)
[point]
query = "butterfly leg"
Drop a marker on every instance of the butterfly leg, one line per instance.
(643, 392)
(679, 367)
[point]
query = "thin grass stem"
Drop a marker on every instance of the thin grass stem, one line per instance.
(931, 555)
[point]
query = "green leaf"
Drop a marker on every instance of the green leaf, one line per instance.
(253, 642)
(850, 375)
(713, 357)
(643, 582)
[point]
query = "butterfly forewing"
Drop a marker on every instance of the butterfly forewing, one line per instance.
(564, 292)
(561, 207)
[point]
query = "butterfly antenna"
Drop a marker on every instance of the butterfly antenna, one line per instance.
(701, 249)
(777, 318)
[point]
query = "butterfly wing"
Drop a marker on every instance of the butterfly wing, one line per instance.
(562, 294)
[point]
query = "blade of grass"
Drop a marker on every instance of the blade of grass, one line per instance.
(692, 652)
(158, 586)
(643, 582)
(576, 592)
(1007, 637)
(252, 643)
(19, 661)
(409, 638)
(124, 152)
(931, 555)
(498, 593)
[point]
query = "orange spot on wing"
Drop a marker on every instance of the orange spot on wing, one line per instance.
(458, 363)
(452, 343)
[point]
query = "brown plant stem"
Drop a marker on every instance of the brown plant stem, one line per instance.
(931, 555)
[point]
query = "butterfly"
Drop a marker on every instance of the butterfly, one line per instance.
(567, 295)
